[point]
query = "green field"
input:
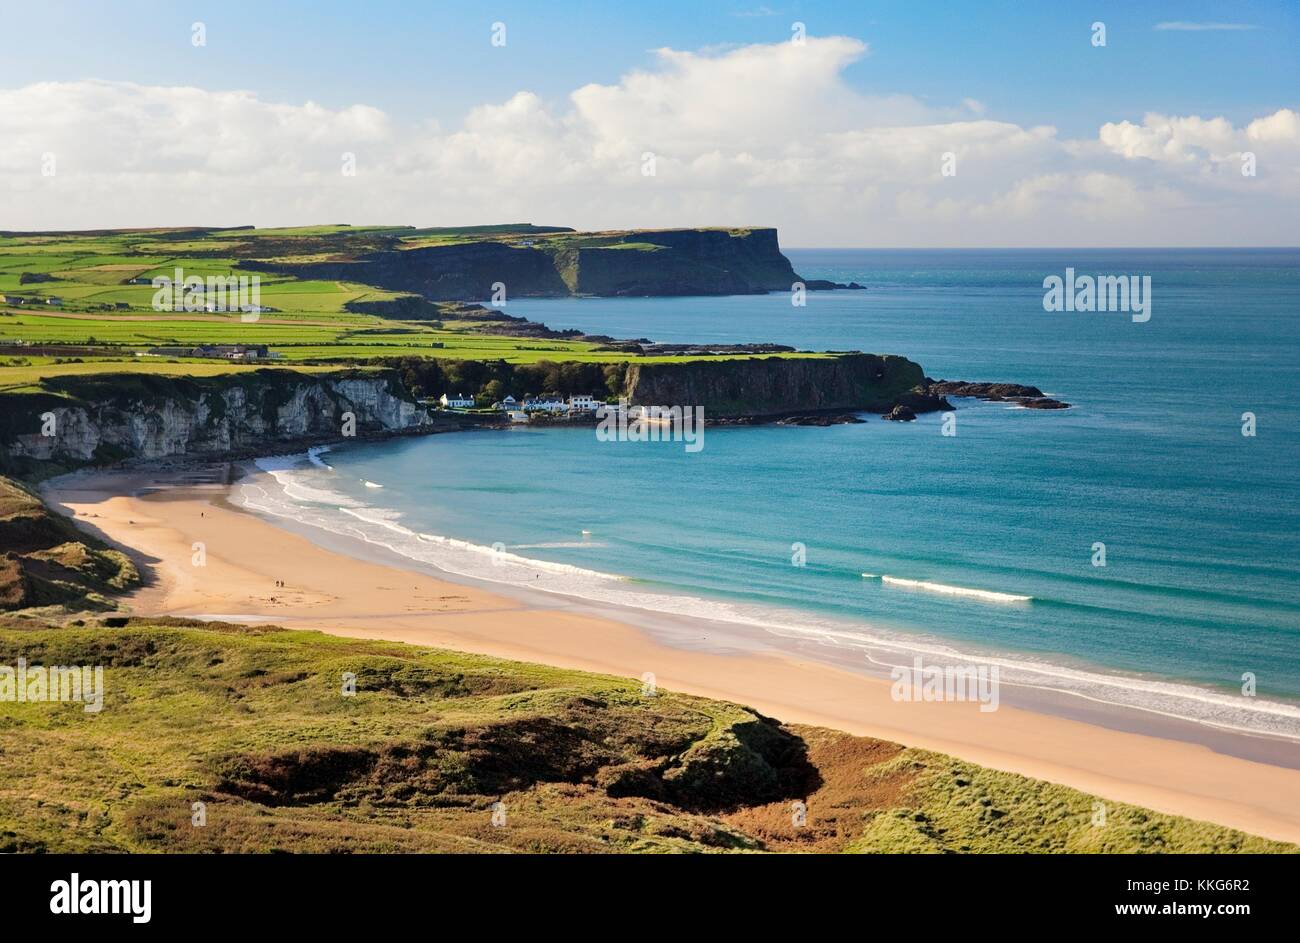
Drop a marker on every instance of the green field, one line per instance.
(92, 273)
(14, 379)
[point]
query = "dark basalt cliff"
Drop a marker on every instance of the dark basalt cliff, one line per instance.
(776, 386)
(660, 262)
(686, 262)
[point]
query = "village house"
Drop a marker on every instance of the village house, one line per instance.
(583, 403)
(455, 401)
(15, 300)
(546, 403)
(507, 404)
(232, 351)
(55, 301)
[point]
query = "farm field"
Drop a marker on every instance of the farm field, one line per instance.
(101, 281)
(27, 378)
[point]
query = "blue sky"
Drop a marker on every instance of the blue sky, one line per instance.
(1030, 63)
(1169, 135)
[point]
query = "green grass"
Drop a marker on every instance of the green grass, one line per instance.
(311, 322)
(46, 562)
(29, 378)
(252, 722)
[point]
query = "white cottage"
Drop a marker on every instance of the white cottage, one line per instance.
(545, 404)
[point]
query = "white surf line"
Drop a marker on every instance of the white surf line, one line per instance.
(984, 594)
(1271, 709)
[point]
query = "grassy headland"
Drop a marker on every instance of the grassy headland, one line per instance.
(252, 722)
(105, 320)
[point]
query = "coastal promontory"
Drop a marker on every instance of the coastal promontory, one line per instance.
(543, 262)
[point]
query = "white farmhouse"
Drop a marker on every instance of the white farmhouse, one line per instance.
(455, 401)
(583, 403)
(546, 403)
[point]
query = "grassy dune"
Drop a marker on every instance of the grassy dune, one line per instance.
(46, 562)
(251, 722)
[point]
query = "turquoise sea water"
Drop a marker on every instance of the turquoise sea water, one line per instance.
(1201, 524)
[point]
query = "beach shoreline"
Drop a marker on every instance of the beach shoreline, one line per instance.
(163, 514)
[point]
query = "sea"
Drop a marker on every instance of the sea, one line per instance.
(1140, 549)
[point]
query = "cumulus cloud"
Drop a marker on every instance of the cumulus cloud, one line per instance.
(1200, 141)
(763, 134)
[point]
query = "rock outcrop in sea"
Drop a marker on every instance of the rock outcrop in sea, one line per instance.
(1031, 397)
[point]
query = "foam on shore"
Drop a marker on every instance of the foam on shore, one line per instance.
(299, 490)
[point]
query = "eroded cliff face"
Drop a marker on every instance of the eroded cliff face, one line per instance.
(105, 418)
(775, 386)
(112, 417)
(660, 262)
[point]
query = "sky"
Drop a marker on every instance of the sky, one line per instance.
(905, 124)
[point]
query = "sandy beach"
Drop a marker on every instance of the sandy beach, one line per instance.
(159, 516)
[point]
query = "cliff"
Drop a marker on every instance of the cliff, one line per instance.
(656, 262)
(684, 262)
(108, 417)
(775, 386)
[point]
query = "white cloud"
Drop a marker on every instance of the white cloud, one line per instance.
(767, 134)
(1283, 125)
(1159, 137)
(1204, 158)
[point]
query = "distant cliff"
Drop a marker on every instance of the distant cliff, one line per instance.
(684, 262)
(775, 386)
(104, 418)
(637, 263)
